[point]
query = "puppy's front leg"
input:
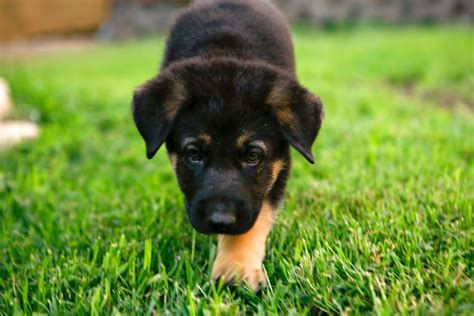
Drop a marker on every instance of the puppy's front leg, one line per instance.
(240, 257)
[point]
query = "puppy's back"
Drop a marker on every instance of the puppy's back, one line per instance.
(244, 29)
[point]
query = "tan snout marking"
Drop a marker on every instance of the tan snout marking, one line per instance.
(240, 257)
(173, 160)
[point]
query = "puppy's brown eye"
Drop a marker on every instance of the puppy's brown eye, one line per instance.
(193, 154)
(253, 156)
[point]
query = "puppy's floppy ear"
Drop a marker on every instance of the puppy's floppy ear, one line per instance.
(155, 107)
(299, 114)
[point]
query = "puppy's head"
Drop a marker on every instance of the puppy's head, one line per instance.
(227, 125)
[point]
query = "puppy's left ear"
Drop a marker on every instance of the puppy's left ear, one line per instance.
(155, 106)
(299, 114)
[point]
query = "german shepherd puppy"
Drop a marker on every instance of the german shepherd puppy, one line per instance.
(228, 106)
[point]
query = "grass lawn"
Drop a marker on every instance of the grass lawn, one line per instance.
(382, 223)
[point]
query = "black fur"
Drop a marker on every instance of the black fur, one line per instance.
(228, 71)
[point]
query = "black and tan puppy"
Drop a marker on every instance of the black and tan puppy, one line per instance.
(228, 105)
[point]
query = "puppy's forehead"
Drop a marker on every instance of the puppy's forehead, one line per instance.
(240, 140)
(233, 125)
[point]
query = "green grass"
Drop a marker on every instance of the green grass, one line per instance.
(382, 224)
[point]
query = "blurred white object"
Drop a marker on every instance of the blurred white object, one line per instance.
(13, 132)
(5, 101)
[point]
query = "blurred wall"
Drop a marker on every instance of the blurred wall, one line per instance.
(138, 17)
(27, 18)
(329, 11)
(117, 19)
(130, 18)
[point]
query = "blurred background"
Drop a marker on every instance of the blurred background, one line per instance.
(122, 19)
(381, 224)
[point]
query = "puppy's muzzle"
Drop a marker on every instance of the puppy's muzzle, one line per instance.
(221, 213)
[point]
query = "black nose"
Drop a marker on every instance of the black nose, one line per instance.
(221, 214)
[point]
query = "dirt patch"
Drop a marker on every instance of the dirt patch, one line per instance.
(445, 98)
(448, 99)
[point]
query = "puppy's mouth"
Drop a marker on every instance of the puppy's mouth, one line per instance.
(236, 230)
(225, 230)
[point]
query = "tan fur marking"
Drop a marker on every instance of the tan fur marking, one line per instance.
(205, 138)
(177, 96)
(277, 167)
(240, 257)
(173, 159)
(240, 142)
(279, 99)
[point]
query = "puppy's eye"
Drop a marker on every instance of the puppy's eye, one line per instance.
(253, 156)
(193, 154)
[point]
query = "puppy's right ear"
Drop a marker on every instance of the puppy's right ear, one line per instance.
(155, 107)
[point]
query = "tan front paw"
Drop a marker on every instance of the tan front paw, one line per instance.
(239, 271)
